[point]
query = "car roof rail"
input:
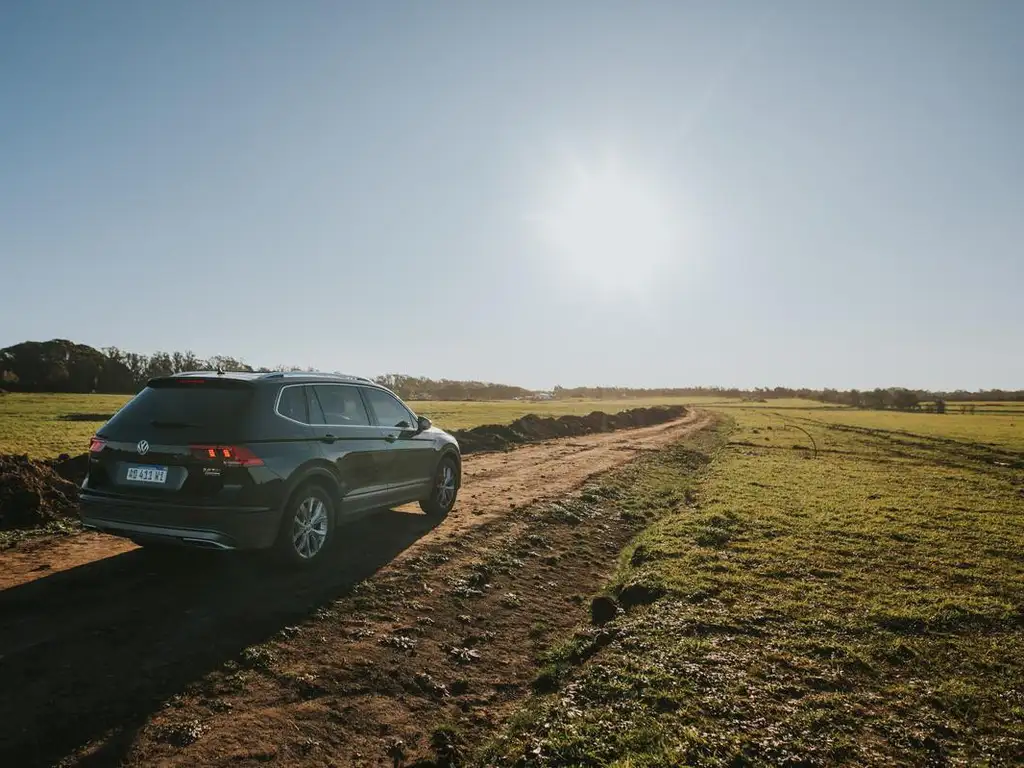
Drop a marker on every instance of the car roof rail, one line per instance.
(315, 375)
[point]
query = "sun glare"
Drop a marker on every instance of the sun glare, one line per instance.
(609, 224)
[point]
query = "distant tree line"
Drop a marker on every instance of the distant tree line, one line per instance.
(616, 393)
(60, 365)
(419, 388)
(900, 399)
(895, 398)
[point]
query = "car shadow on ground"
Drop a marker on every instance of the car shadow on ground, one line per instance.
(87, 654)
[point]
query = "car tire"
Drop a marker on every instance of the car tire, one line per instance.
(307, 526)
(443, 490)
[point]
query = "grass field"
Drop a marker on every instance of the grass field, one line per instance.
(37, 425)
(865, 607)
(995, 430)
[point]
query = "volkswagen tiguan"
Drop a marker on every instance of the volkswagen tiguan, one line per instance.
(261, 461)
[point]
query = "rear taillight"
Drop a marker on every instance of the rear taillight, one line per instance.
(96, 445)
(229, 455)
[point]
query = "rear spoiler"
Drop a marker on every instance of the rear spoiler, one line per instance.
(214, 382)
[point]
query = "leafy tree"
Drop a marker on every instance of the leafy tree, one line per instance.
(876, 398)
(905, 399)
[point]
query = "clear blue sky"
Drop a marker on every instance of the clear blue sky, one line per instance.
(649, 194)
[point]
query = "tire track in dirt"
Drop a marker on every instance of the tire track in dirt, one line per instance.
(96, 649)
(493, 483)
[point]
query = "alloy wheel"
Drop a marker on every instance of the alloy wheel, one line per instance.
(445, 486)
(309, 528)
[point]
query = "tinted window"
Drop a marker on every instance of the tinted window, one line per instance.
(341, 405)
(292, 404)
(180, 413)
(316, 411)
(390, 412)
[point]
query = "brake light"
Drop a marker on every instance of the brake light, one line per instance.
(231, 455)
(191, 381)
(96, 444)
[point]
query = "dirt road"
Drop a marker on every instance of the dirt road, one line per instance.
(115, 654)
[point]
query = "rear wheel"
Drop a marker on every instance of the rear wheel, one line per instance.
(445, 489)
(307, 526)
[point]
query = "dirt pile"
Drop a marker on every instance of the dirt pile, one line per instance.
(532, 429)
(36, 492)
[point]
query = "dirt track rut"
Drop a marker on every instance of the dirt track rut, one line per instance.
(96, 635)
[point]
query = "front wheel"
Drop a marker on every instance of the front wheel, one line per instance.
(445, 489)
(307, 527)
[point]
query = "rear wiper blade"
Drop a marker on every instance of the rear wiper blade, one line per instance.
(171, 424)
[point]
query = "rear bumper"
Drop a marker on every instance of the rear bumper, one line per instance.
(210, 527)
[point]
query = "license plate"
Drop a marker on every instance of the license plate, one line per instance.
(147, 474)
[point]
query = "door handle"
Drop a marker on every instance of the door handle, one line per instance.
(328, 438)
(391, 437)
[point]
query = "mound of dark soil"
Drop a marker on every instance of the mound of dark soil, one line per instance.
(33, 493)
(532, 428)
(73, 468)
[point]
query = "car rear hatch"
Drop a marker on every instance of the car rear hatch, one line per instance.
(180, 440)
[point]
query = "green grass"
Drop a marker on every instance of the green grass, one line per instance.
(34, 424)
(862, 608)
(1005, 430)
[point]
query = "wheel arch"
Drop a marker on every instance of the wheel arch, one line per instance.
(316, 472)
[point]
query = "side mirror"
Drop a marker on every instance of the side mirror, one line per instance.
(423, 423)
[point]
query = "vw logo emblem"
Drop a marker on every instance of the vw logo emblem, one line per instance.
(142, 447)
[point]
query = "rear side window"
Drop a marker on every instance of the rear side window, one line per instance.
(390, 412)
(338, 405)
(292, 404)
(183, 412)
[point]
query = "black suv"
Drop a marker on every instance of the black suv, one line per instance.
(254, 461)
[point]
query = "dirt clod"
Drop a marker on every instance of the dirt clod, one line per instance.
(603, 609)
(429, 685)
(464, 655)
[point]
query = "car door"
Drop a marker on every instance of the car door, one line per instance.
(414, 457)
(348, 440)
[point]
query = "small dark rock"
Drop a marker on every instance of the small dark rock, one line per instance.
(603, 609)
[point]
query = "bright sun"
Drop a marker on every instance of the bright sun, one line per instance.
(608, 224)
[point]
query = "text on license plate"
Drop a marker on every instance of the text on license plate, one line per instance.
(147, 474)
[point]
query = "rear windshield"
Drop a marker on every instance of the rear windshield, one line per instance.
(181, 413)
